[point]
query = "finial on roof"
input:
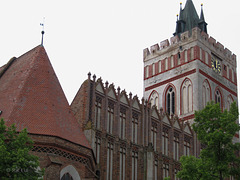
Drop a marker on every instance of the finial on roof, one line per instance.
(42, 24)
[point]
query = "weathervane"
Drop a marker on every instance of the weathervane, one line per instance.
(42, 24)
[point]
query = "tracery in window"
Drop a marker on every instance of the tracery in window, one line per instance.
(170, 101)
(218, 97)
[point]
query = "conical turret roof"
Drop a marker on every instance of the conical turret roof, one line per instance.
(31, 97)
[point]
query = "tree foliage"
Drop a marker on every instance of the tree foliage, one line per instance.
(220, 159)
(16, 161)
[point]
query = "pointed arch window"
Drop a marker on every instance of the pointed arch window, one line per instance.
(187, 94)
(170, 100)
(154, 99)
(206, 93)
(229, 102)
(218, 97)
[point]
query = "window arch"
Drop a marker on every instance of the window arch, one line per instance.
(229, 102)
(206, 93)
(170, 100)
(68, 173)
(154, 99)
(187, 96)
(67, 176)
(218, 97)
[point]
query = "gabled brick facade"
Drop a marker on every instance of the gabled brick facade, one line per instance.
(91, 107)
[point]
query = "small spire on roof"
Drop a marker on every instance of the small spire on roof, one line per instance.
(42, 24)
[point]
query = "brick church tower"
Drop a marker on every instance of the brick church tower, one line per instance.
(183, 74)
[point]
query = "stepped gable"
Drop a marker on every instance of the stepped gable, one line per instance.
(31, 97)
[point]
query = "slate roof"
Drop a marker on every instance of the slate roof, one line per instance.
(189, 19)
(32, 97)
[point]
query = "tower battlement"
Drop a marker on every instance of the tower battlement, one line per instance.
(187, 37)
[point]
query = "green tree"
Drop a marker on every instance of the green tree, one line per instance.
(15, 160)
(220, 159)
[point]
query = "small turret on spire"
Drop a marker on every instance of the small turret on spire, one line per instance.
(202, 22)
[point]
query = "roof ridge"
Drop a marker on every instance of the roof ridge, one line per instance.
(6, 66)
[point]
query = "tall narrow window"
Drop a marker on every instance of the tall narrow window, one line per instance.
(170, 101)
(154, 135)
(176, 147)
(156, 169)
(187, 97)
(165, 141)
(134, 165)
(98, 108)
(122, 163)
(97, 148)
(110, 117)
(175, 174)
(109, 161)
(187, 146)
(218, 97)
(165, 170)
(134, 127)
(122, 123)
(229, 102)
(206, 93)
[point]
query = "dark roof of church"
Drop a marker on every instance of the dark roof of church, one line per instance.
(189, 19)
(32, 97)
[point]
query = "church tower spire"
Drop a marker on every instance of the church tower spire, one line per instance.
(189, 19)
(202, 23)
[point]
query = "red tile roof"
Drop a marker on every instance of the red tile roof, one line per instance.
(31, 97)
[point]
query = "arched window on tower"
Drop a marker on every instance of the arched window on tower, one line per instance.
(154, 99)
(170, 101)
(205, 93)
(229, 102)
(218, 97)
(187, 94)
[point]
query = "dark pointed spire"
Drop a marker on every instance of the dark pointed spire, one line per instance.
(202, 15)
(189, 19)
(202, 23)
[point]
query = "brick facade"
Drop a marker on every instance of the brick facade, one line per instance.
(148, 120)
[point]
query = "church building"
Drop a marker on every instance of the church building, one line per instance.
(107, 133)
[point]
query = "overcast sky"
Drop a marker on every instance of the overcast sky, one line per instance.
(104, 37)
